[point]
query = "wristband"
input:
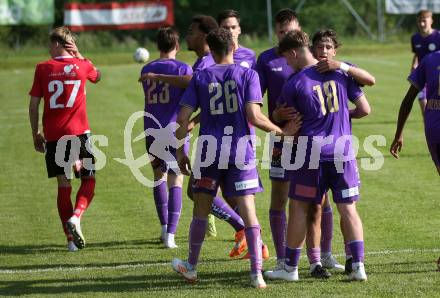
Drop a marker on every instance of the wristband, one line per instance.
(344, 67)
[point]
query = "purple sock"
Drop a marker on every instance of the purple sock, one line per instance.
(357, 250)
(222, 211)
(253, 238)
(174, 208)
(161, 201)
(327, 230)
(314, 255)
(292, 256)
(347, 251)
(277, 221)
(197, 231)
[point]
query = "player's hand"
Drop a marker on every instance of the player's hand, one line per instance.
(72, 49)
(191, 126)
(396, 146)
(284, 113)
(39, 142)
(292, 126)
(183, 162)
(148, 76)
(327, 65)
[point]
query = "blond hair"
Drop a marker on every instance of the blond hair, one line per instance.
(61, 35)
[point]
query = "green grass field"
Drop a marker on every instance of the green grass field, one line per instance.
(400, 204)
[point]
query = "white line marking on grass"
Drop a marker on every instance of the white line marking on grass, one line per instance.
(140, 265)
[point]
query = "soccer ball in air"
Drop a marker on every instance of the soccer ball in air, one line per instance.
(141, 55)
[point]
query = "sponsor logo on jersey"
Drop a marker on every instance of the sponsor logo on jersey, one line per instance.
(68, 68)
(277, 68)
(418, 46)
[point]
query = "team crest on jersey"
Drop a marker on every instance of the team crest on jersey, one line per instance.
(432, 47)
(68, 68)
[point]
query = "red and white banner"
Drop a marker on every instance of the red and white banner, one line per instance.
(117, 15)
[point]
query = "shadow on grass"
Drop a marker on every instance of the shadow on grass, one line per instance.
(150, 282)
(47, 248)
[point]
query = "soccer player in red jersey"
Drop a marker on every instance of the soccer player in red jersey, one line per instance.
(61, 82)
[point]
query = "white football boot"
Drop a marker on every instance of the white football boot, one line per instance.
(358, 273)
(184, 269)
(257, 281)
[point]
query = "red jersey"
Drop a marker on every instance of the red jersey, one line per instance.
(62, 81)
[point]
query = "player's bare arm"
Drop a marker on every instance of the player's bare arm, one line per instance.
(404, 111)
(173, 80)
(194, 121)
(414, 63)
(361, 76)
(183, 121)
(258, 119)
(362, 108)
(72, 49)
(37, 137)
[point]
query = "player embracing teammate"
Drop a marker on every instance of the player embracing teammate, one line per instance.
(229, 98)
(322, 100)
(65, 141)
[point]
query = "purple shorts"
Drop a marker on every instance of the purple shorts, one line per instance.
(233, 181)
(434, 149)
(169, 161)
(310, 185)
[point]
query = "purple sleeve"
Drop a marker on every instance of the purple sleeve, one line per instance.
(417, 78)
(413, 49)
(185, 70)
(189, 98)
(261, 74)
(288, 95)
(253, 91)
(353, 90)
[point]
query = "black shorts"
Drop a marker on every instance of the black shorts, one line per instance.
(73, 155)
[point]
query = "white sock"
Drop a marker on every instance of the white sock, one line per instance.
(170, 237)
(348, 257)
(355, 265)
(290, 268)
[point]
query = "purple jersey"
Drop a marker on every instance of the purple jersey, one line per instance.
(273, 71)
(427, 73)
(203, 62)
(322, 99)
(422, 46)
(162, 99)
(245, 57)
(222, 91)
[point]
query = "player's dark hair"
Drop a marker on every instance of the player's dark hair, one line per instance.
(424, 13)
(323, 35)
(61, 35)
(293, 40)
(228, 13)
(286, 15)
(220, 42)
(167, 39)
(206, 23)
